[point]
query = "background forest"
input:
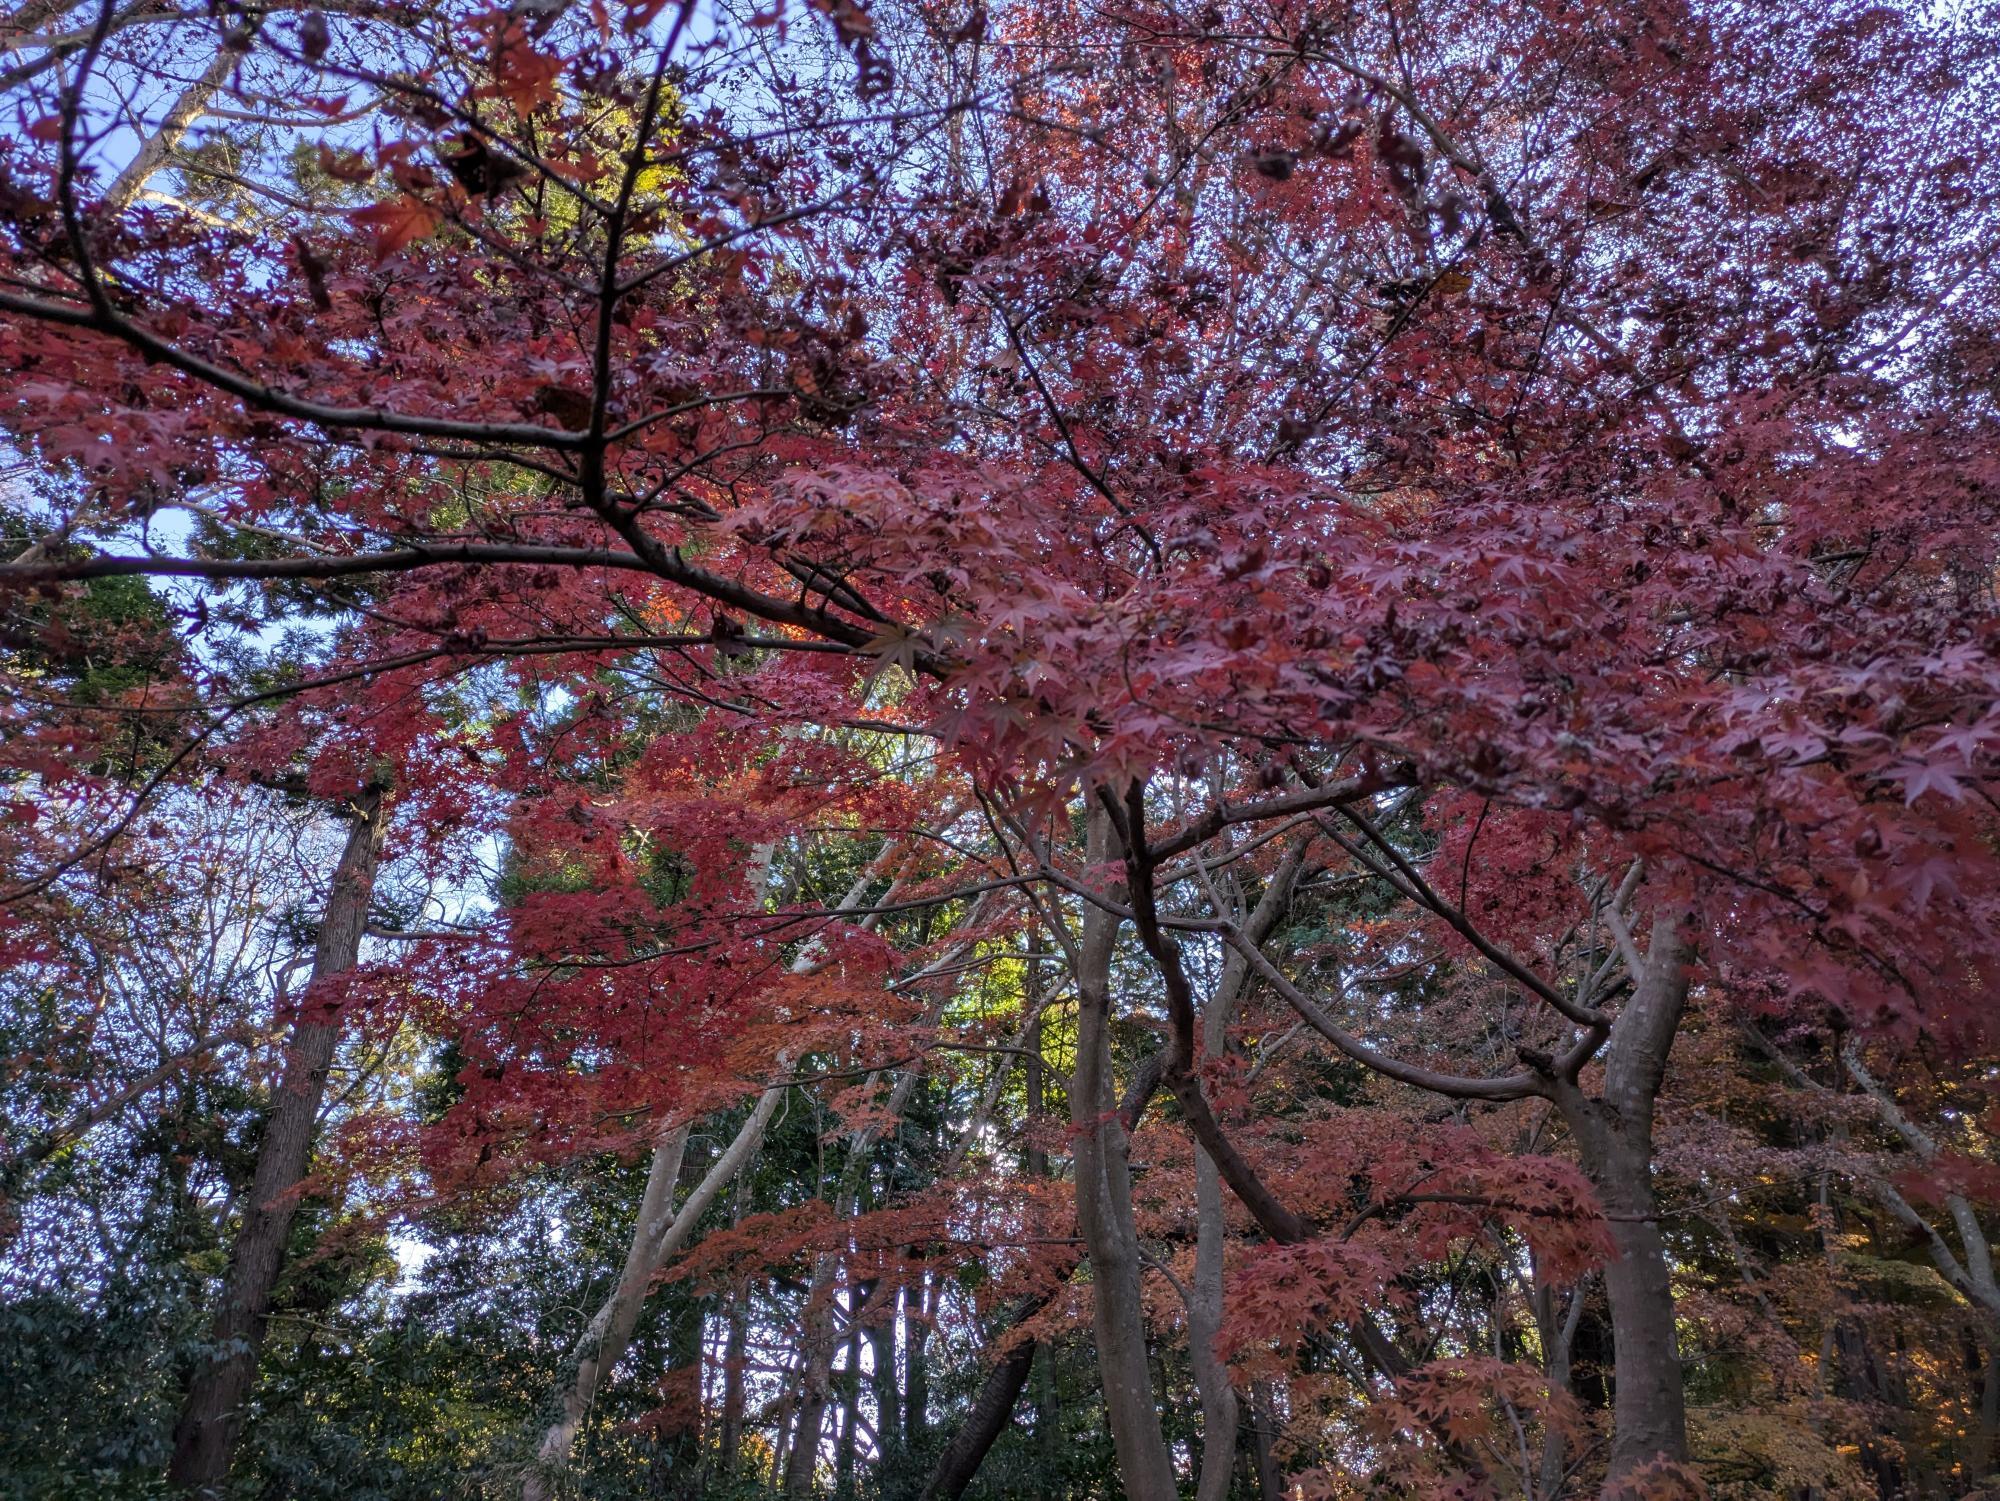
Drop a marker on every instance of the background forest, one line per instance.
(1021, 750)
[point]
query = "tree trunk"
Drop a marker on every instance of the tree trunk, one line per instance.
(1614, 1135)
(608, 1332)
(781, 1442)
(1558, 1341)
(1218, 1397)
(1264, 1421)
(211, 1415)
(888, 1395)
(916, 1367)
(969, 1445)
(157, 148)
(816, 1349)
(1035, 1163)
(1986, 1447)
(655, 1240)
(850, 1397)
(818, 1342)
(730, 1440)
(1104, 1213)
(1219, 1415)
(983, 1424)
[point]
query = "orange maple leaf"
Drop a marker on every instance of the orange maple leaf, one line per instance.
(395, 222)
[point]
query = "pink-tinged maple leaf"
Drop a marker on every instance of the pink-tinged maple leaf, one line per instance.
(1918, 777)
(1933, 874)
(1952, 1173)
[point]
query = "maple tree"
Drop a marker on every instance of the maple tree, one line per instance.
(1311, 686)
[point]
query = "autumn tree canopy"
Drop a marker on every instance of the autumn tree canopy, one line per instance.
(913, 750)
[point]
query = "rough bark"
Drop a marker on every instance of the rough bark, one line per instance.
(211, 1416)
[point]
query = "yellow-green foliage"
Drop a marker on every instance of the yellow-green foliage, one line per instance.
(1772, 1451)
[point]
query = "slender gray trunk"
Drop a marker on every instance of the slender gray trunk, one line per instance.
(1104, 1212)
(1219, 1415)
(730, 1440)
(1558, 1345)
(1218, 1397)
(211, 1416)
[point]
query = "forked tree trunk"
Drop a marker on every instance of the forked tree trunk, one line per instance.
(609, 1331)
(658, 1238)
(1558, 1344)
(991, 1409)
(211, 1415)
(1614, 1136)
